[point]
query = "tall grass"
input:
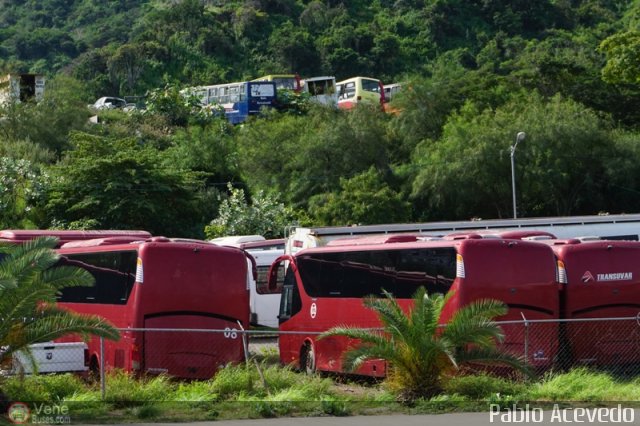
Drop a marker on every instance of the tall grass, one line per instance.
(583, 384)
(41, 388)
(239, 392)
(483, 386)
(125, 390)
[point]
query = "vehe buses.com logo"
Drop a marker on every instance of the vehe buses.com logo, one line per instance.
(18, 413)
(42, 413)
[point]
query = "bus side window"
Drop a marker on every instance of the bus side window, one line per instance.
(213, 96)
(349, 90)
(114, 274)
(234, 94)
(340, 90)
(224, 95)
(433, 269)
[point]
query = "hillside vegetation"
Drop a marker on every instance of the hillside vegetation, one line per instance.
(475, 74)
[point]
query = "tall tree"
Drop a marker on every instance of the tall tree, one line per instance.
(123, 184)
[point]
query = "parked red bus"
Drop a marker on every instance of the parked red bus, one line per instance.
(601, 279)
(158, 284)
(324, 287)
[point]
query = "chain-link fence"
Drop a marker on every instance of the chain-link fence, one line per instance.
(611, 344)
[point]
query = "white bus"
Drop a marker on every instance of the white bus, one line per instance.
(322, 90)
(611, 227)
(264, 303)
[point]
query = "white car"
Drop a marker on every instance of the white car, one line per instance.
(109, 102)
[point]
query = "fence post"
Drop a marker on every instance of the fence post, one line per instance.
(526, 338)
(245, 345)
(103, 388)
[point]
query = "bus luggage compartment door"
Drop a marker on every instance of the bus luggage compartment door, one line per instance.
(187, 349)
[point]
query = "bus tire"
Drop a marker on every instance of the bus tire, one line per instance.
(308, 359)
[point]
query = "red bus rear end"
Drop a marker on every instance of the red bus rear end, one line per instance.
(601, 280)
(521, 274)
(164, 287)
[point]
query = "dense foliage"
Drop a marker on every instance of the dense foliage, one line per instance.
(474, 74)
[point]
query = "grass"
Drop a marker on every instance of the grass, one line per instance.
(240, 392)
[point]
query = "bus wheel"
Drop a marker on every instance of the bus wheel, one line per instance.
(308, 359)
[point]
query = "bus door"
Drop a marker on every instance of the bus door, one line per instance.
(290, 305)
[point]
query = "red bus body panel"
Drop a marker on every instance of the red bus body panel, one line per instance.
(603, 281)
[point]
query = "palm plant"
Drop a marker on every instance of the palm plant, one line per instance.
(421, 353)
(29, 283)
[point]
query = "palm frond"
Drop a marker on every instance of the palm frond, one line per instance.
(390, 314)
(474, 324)
(67, 276)
(354, 358)
(55, 322)
(370, 336)
(7, 283)
(29, 283)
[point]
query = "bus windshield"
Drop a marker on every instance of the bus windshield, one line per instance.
(370, 85)
(288, 83)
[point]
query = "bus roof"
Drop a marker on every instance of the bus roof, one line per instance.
(323, 78)
(470, 224)
(237, 239)
(67, 236)
(375, 245)
(270, 77)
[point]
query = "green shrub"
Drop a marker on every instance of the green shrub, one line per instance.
(482, 386)
(43, 387)
(233, 380)
(334, 407)
(125, 390)
(582, 384)
(200, 391)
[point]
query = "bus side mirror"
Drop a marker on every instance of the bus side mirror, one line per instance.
(272, 284)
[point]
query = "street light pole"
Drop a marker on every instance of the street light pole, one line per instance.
(519, 137)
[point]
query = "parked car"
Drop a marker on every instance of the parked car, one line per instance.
(110, 102)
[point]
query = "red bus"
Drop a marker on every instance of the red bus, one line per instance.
(323, 287)
(601, 279)
(155, 285)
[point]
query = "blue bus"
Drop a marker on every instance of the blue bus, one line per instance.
(239, 100)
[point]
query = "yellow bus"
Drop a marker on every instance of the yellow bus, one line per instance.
(357, 90)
